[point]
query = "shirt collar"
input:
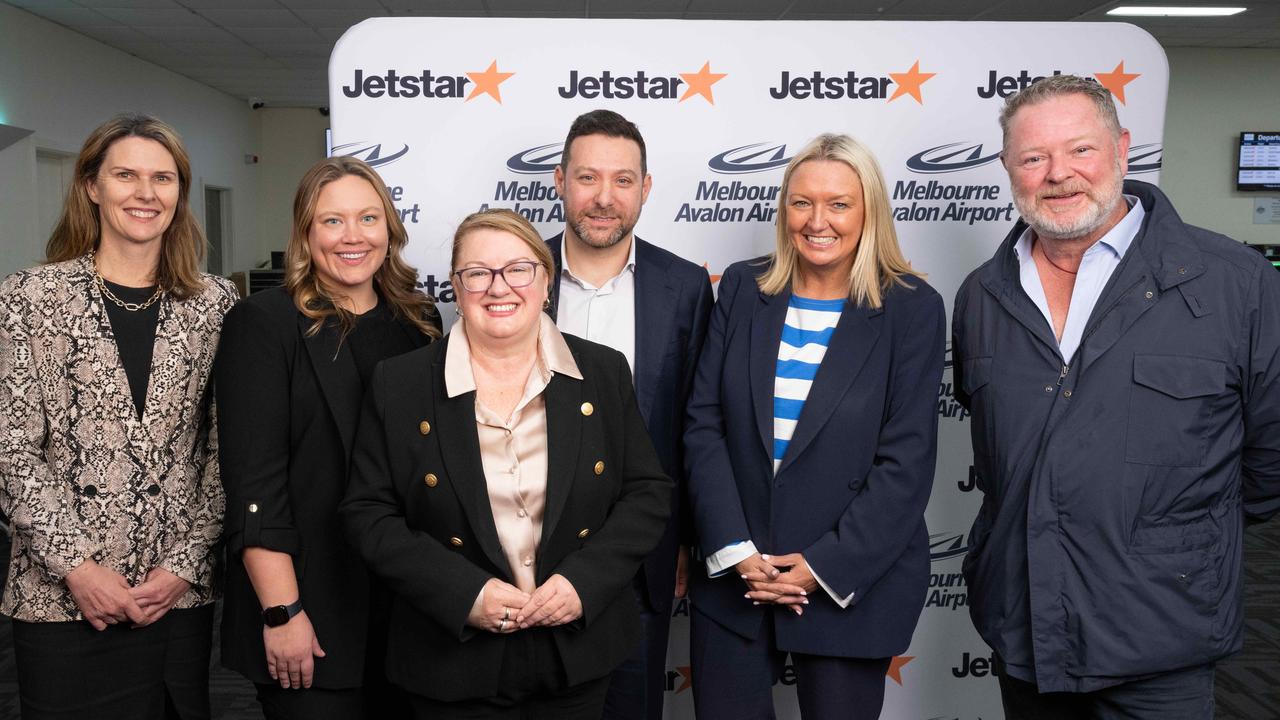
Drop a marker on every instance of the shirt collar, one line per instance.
(553, 357)
(1117, 240)
(566, 271)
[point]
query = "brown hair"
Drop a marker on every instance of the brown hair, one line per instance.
(609, 124)
(79, 229)
(396, 279)
(878, 261)
(509, 221)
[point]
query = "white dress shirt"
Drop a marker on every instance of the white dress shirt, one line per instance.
(605, 314)
(1096, 267)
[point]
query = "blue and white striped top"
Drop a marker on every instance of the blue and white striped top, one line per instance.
(805, 337)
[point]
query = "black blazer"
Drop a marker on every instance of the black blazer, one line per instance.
(433, 539)
(673, 306)
(287, 412)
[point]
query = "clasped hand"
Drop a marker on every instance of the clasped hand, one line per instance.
(778, 580)
(105, 598)
(504, 608)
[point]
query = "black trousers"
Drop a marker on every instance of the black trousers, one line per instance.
(733, 677)
(638, 686)
(310, 703)
(1180, 695)
(69, 671)
(531, 686)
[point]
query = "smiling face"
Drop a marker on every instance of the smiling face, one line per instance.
(136, 191)
(502, 313)
(825, 210)
(348, 238)
(1066, 168)
(603, 189)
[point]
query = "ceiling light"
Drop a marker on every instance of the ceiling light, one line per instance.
(1174, 11)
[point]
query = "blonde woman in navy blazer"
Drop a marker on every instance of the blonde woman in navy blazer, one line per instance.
(826, 557)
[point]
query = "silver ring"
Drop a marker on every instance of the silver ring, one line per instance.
(506, 613)
(502, 625)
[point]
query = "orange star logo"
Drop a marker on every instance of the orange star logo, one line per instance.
(909, 83)
(687, 674)
(1116, 80)
(895, 667)
(700, 83)
(488, 82)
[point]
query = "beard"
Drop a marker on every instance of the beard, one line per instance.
(601, 239)
(1102, 201)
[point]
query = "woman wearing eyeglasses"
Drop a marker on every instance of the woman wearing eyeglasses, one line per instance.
(108, 459)
(302, 618)
(505, 488)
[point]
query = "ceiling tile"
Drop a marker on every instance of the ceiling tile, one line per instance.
(268, 18)
(74, 17)
(157, 17)
(275, 35)
(184, 35)
(337, 18)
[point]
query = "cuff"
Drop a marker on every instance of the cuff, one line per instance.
(725, 558)
(842, 602)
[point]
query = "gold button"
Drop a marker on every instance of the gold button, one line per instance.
(587, 408)
(528, 562)
(431, 480)
(455, 541)
(583, 532)
(253, 507)
(599, 467)
(424, 427)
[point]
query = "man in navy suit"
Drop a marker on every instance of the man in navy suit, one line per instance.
(652, 306)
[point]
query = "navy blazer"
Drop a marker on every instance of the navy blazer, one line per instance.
(673, 305)
(850, 492)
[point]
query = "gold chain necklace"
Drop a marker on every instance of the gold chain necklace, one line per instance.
(131, 307)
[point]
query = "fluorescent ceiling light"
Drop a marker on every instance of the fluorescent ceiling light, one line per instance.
(1174, 11)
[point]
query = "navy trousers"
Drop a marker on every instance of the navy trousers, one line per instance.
(733, 677)
(1180, 695)
(638, 687)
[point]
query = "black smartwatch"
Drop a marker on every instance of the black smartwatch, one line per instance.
(278, 615)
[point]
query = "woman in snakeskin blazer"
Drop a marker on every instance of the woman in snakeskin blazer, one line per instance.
(108, 455)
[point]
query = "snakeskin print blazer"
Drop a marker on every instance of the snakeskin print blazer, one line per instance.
(80, 475)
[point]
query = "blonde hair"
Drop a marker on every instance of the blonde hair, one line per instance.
(79, 229)
(508, 221)
(397, 280)
(878, 262)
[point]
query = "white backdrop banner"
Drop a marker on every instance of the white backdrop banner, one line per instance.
(462, 114)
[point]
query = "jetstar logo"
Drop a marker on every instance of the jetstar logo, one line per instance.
(428, 84)
(819, 85)
(537, 160)
(642, 85)
(1003, 85)
(943, 546)
(1145, 158)
(951, 157)
(749, 159)
(372, 153)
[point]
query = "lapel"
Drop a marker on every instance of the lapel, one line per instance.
(563, 397)
(172, 359)
(95, 326)
(554, 245)
(455, 421)
(766, 332)
(851, 344)
(339, 379)
(655, 304)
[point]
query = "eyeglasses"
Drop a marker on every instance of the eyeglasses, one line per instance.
(516, 275)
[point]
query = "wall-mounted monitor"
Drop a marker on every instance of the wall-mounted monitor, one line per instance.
(1259, 166)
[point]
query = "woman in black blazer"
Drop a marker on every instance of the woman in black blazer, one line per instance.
(301, 616)
(505, 488)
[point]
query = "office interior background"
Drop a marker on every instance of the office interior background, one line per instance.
(245, 82)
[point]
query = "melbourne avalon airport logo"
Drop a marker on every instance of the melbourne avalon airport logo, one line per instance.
(540, 160)
(949, 158)
(376, 154)
(1145, 158)
(716, 200)
(753, 158)
(534, 198)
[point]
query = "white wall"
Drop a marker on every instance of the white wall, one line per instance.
(292, 140)
(62, 84)
(1214, 94)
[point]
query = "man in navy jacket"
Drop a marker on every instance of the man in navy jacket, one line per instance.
(652, 306)
(1123, 372)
